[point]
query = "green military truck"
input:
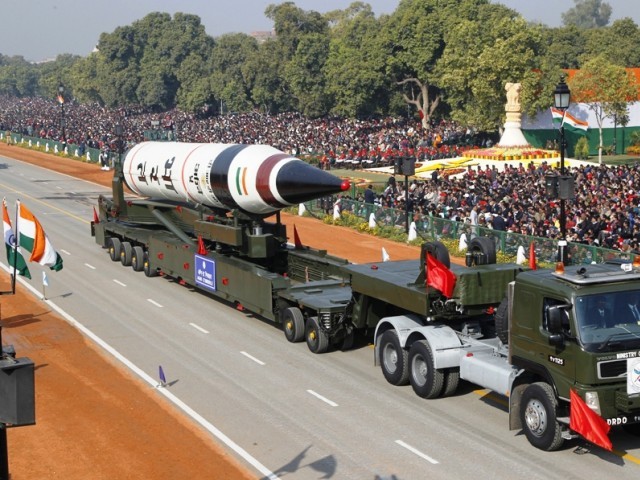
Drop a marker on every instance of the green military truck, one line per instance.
(531, 335)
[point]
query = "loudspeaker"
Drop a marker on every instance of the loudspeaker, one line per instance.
(408, 166)
(551, 185)
(566, 190)
(17, 392)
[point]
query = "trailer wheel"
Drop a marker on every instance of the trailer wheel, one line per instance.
(317, 339)
(501, 320)
(113, 245)
(148, 271)
(394, 360)
(125, 254)
(293, 324)
(426, 380)
(451, 381)
(484, 248)
(439, 251)
(137, 259)
(538, 416)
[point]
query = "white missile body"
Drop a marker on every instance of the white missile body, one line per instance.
(257, 179)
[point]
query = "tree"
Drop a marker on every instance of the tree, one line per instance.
(619, 43)
(587, 14)
(354, 70)
(473, 74)
(606, 89)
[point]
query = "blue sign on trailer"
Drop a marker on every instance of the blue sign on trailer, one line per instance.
(205, 272)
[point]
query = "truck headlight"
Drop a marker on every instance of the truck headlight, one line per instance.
(592, 401)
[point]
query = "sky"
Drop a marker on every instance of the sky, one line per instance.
(42, 29)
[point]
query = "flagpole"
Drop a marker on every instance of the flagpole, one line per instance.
(15, 255)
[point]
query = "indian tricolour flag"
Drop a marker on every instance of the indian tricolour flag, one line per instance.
(32, 238)
(14, 257)
(569, 121)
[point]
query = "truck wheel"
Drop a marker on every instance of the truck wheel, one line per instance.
(317, 339)
(485, 246)
(113, 245)
(293, 324)
(394, 360)
(438, 251)
(426, 380)
(451, 381)
(125, 254)
(538, 416)
(137, 259)
(501, 320)
(148, 271)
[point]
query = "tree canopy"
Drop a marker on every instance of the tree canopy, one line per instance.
(427, 59)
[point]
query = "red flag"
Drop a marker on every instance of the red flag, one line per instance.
(440, 277)
(95, 216)
(201, 248)
(588, 423)
(296, 238)
(532, 257)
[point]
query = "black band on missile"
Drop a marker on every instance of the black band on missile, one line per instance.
(220, 173)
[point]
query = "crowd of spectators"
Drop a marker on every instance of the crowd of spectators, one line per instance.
(333, 141)
(604, 213)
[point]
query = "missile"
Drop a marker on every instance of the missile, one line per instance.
(257, 179)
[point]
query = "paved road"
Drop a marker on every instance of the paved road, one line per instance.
(298, 415)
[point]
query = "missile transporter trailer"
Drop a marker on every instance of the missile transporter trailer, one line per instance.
(531, 335)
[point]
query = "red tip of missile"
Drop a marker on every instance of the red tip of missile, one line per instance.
(345, 185)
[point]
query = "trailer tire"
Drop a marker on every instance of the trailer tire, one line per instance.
(137, 259)
(113, 245)
(426, 380)
(317, 339)
(501, 320)
(485, 246)
(538, 416)
(293, 324)
(125, 254)
(394, 360)
(451, 381)
(148, 271)
(439, 251)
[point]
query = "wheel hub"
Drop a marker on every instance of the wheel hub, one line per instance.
(536, 417)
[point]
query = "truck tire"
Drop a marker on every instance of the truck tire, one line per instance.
(484, 248)
(317, 339)
(438, 251)
(113, 245)
(501, 319)
(293, 324)
(451, 381)
(426, 380)
(393, 359)
(538, 416)
(137, 259)
(126, 251)
(148, 270)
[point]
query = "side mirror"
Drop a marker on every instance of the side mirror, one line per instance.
(555, 316)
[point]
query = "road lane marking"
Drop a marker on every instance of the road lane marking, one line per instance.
(212, 429)
(325, 400)
(198, 327)
(119, 283)
(89, 266)
(251, 357)
(65, 252)
(153, 302)
(417, 452)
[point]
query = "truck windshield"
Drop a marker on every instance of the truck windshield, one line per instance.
(610, 321)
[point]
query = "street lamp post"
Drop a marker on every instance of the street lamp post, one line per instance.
(561, 100)
(62, 119)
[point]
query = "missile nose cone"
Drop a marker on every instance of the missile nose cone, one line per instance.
(299, 182)
(346, 185)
